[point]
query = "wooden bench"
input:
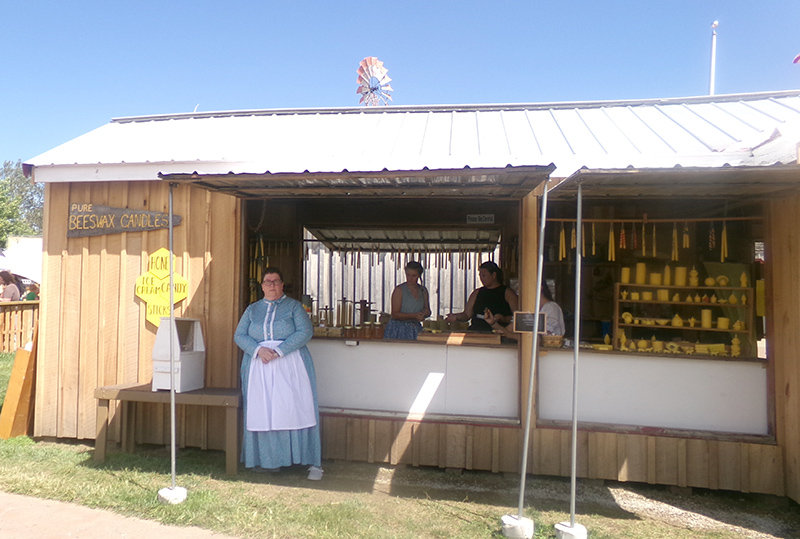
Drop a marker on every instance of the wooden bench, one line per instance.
(130, 394)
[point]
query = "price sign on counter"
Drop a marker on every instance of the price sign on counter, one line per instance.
(524, 322)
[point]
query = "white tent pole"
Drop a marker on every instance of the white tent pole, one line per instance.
(173, 494)
(534, 352)
(575, 531)
(576, 348)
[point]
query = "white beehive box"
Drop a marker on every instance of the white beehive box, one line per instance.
(189, 355)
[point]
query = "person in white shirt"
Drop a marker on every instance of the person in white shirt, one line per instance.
(554, 317)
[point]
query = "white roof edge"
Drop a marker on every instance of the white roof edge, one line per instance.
(462, 107)
(151, 171)
(108, 172)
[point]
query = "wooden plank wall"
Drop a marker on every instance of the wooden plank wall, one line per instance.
(93, 329)
(783, 338)
(711, 464)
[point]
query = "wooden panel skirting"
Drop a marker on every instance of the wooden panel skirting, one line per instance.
(712, 464)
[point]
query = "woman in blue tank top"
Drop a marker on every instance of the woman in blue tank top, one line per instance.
(410, 306)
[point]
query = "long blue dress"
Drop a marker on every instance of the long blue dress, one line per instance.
(274, 449)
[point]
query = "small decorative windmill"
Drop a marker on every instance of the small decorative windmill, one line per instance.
(373, 82)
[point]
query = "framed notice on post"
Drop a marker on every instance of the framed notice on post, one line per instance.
(524, 322)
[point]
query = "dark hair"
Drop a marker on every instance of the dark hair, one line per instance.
(491, 267)
(10, 278)
(546, 292)
(271, 271)
(416, 266)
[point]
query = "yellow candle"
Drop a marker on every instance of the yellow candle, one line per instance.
(655, 279)
(667, 275)
(641, 273)
(705, 318)
(626, 275)
(680, 276)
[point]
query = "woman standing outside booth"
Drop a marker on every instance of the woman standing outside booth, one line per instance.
(279, 384)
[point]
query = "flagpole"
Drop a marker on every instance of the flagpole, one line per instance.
(713, 57)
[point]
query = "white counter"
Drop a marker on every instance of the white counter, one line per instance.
(417, 379)
(656, 391)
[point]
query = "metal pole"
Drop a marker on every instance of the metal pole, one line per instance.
(172, 332)
(534, 352)
(576, 348)
(713, 57)
(172, 494)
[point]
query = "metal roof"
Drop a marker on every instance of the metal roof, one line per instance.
(403, 142)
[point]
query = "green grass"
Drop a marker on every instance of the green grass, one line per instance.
(353, 501)
(6, 363)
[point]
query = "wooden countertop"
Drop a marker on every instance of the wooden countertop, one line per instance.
(446, 338)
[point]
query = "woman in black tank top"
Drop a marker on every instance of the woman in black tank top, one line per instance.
(493, 295)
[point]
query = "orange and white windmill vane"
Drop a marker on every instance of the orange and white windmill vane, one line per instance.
(373, 82)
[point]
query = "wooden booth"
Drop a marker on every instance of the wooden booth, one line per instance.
(667, 395)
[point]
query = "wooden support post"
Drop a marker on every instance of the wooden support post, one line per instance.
(101, 441)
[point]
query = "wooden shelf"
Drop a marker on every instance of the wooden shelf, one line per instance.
(684, 328)
(686, 303)
(673, 287)
(744, 312)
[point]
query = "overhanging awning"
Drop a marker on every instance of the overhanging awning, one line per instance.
(682, 182)
(504, 183)
(406, 239)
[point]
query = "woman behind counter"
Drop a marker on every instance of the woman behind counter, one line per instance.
(554, 316)
(410, 306)
(500, 299)
(279, 384)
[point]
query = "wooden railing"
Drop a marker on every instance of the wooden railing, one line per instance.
(17, 320)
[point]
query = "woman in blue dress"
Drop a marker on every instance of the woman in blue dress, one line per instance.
(410, 306)
(279, 385)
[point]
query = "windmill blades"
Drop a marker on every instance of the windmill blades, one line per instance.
(373, 82)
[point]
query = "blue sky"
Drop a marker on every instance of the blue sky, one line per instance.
(71, 66)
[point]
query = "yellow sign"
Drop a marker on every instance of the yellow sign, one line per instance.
(153, 287)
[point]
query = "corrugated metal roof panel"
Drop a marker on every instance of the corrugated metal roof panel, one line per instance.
(700, 131)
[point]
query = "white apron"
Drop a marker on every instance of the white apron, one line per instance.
(279, 393)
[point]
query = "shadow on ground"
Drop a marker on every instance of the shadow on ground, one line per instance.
(771, 515)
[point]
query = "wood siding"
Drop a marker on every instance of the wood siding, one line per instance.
(93, 328)
(745, 467)
(782, 255)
